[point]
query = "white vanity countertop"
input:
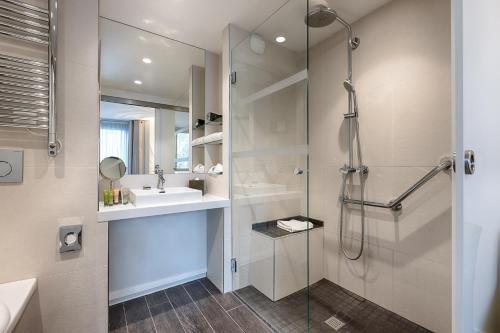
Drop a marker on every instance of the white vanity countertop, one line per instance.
(129, 211)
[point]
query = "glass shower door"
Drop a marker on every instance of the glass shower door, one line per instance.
(269, 170)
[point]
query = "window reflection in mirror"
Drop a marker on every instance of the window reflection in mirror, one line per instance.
(145, 137)
(145, 98)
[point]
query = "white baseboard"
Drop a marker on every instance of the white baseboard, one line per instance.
(126, 294)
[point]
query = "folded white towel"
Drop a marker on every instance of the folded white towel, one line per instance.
(213, 137)
(198, 141)
(294, 225)
(217, 169)
(199, 168)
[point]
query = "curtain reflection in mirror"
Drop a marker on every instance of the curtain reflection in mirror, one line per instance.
(115, 140)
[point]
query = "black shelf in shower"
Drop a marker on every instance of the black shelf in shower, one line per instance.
(271, 229)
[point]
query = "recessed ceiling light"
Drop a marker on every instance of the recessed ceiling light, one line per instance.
(280, 39)
(146, 60)
(138, 82)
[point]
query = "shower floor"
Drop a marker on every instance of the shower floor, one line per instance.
(199, 307)
(326, 300)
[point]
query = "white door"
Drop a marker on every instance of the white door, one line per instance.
(477, 197)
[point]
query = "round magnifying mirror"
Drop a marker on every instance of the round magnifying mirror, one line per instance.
(112, 168)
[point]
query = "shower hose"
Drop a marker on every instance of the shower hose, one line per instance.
(345, 178)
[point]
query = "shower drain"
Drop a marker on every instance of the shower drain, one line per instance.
(334, 323)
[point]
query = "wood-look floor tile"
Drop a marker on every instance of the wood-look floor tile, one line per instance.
(220, 321)
(116, 319)
(156, 298)
(138, 318)
(165, 318)
(248, 321)
(228, 301)
(191, 318)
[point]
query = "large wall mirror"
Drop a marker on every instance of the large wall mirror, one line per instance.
(146, 98)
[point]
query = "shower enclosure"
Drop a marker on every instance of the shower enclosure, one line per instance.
(306, 84)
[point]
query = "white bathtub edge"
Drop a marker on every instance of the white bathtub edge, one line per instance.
(16, 296)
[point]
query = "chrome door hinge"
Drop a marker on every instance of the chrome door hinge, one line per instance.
(234, 265)
(469, 162)
(232, 77)
(298, 171)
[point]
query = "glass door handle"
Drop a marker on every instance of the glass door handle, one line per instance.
(298, 171)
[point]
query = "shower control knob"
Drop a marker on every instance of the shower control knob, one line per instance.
(298, 171)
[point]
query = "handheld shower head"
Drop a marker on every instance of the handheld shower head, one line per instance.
(349, 86)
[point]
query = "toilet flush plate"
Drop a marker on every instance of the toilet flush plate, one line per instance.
(11, 165)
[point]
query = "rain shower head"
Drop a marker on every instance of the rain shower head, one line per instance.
(321, 16)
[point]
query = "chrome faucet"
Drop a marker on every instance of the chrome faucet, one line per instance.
(161, 179)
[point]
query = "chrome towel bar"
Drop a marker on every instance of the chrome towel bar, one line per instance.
(24, 77)
(27, 86)
(396, 204)
(33, 63)
(27, 6)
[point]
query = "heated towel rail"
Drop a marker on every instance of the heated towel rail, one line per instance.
(396, 204)
(27, 85)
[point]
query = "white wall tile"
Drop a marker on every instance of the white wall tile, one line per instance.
(61, 190)
(422, 292)
(405, 128)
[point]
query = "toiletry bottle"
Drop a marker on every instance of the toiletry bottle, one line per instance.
(125, 195)
(108, 198)
(116, 196)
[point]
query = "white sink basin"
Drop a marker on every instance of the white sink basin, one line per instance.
(140, 197)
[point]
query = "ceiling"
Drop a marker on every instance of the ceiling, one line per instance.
(289, 21)
(166, 77)
(196, 22)
(126, 112)
(201, 22)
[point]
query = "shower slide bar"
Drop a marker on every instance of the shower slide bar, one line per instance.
(396, 204)
(27, 86)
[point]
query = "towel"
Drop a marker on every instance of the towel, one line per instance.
(294, 225)
(199, 168)
(213, 137)
(217, 169)
(198, 141)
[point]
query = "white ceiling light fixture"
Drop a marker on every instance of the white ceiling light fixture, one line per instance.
(146, 60)
(280, 39)
(138, 82)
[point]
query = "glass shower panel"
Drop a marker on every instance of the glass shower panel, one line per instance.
(269, 165)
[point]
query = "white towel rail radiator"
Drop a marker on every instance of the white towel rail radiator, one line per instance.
(28, 85)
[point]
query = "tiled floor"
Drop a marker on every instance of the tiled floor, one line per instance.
(326, 299)
(199, 307)
(193, 307)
